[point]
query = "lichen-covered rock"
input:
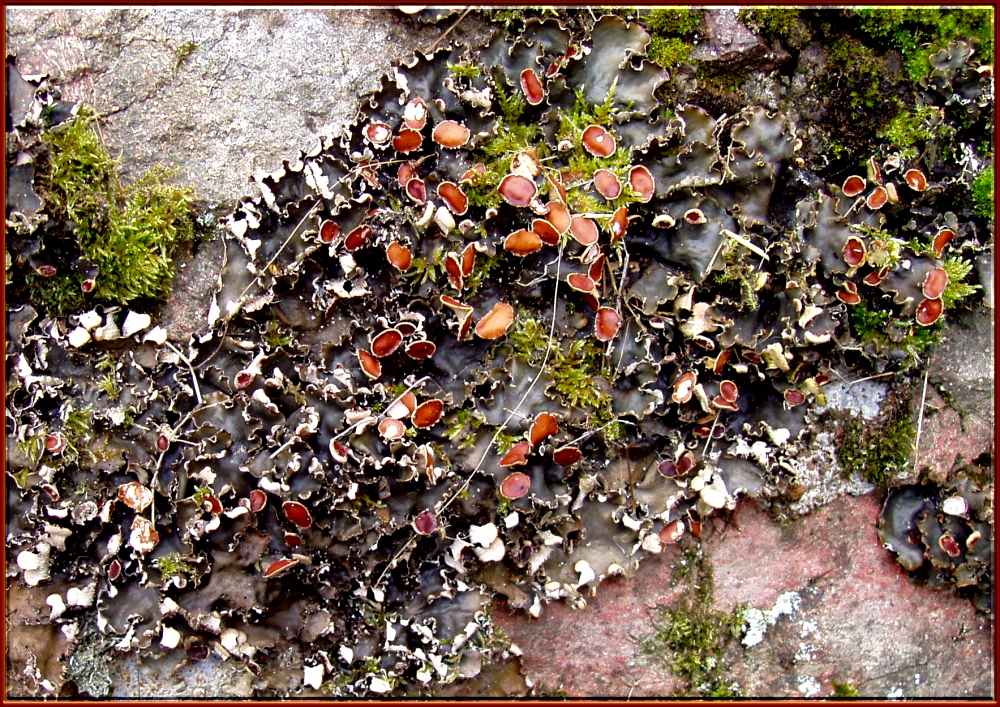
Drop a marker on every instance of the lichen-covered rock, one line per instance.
(516, 328)
(944, 535)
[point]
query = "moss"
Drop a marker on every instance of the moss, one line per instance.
(741, 274)
(465, 70)
(276, 335)
(911, 129)
(691, 637)
(32, 449)
(884, 331)
(782, 23)
(668, 52)
(130, 233)
(982, 193)
(675, 21)
(868, 324)
(183, 53)
(515, 16)
(576, 368)
(462, 427)
(200, 495)
(512, 137)
(918, 32)
(109, 384)
(173, 565)
(844, 689)
(424, 270)
(877, 453)
(861, 71)
(958, 289)
(485, 265)
(505, 440)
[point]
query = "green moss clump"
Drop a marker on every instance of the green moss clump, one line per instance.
(867, 324)
(740, 274)
(277, 335)
(982, 193)
(183, 53)
(872, 326)
(919, 32)
(958, 289)
(668, 52)
(877, 453)
(173, 565)
(909, 130)
(465, 71)
(462, 427)
(691, 637)
(861, 71)
(577, 369)
(512, 137)
(505, 440)
(675, 21)
(844, 689)
(777, 22)
(130, 233)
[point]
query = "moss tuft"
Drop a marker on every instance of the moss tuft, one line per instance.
(844, 689)
(173, 565)
(958, 289)
(910, 130)
(878, 453)
(982, 193)
(781, 23)
(465, 70)
(130, 233)
(675, 21)
(918, 32)
(668, 52)
(576, 368)
(183, 53)
(691, 637)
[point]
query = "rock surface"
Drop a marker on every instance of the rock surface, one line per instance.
(856, 618)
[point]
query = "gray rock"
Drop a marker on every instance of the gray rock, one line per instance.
(729, 43)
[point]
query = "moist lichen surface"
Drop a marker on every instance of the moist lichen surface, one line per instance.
(524, 323)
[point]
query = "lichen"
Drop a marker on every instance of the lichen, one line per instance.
(316, 447)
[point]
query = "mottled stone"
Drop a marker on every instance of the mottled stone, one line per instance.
(857, 618)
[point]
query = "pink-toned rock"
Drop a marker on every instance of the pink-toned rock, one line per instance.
(858, 618)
